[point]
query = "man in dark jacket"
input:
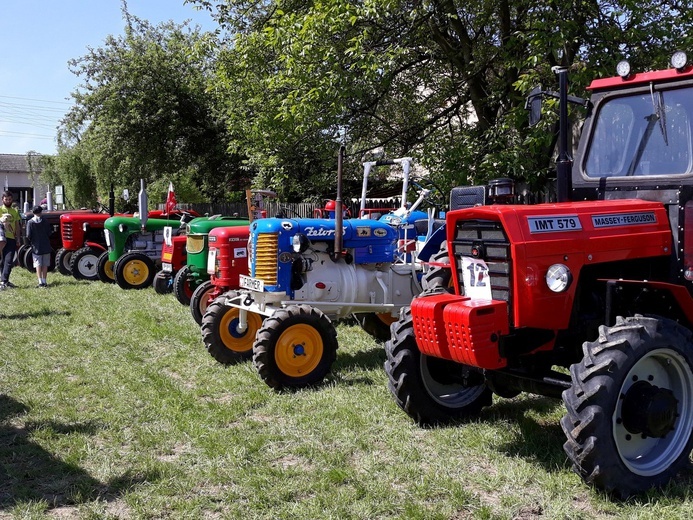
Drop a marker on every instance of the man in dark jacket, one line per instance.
(38, 233)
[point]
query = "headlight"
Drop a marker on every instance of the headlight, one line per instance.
(300, 242)
(122, 228)
(85, 226)
(623, 69)
(679, 60)
(558, 278)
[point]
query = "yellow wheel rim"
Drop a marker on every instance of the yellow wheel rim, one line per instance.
(108, 269)
(231, 338)
(298, 351)
(135, 272)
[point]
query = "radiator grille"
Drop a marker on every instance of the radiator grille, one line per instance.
(265, 257)
(67, 230)
(488, 238)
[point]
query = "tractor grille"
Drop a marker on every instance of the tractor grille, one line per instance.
(265, 257)
(488, 240)
(67, 230)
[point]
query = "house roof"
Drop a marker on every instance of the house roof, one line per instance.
(14, 163)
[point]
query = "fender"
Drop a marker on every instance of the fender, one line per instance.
(679, 293)
(96, 245)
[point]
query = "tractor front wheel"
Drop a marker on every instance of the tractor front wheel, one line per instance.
(295, 347)
(221, 336)
(182, 286)
(629, 419)
(104, 268)
(200, 300)
(21, 254)
(162, 283)
(62, 261)
(430, 390)
(83, 264)
(134, 271)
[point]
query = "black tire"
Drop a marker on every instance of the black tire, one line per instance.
(438, 278)
(21, 254)
(629, 411)
(183, 289)
(295, 347)
(84, 264)
(377, 325)
(430, 390)
(219, 334)
(27, 259)
(163, 283)
(134, 271)
(200, 300)
(62, 261)
(104, 269)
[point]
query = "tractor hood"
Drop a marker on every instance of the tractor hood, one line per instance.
(357, 232)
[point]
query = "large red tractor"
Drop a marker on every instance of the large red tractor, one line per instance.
(588, 299)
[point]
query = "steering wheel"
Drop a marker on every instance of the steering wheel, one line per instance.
(435, 196)
(284, 211)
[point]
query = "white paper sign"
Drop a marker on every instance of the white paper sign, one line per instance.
(477, 283)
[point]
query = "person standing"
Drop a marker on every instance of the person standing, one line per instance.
(11, 235)
(38, 233)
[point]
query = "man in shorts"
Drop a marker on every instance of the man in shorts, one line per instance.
(38, 233)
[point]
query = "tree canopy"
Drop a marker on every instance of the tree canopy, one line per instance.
(270, 97)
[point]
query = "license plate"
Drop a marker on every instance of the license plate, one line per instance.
(167, 268)
(212, 261)
(476, 279)
(253, 284)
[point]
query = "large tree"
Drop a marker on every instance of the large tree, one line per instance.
(444, 80)
(143, 111)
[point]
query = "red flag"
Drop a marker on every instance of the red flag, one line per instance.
(170, 199)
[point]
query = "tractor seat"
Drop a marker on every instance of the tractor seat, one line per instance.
(462, 197)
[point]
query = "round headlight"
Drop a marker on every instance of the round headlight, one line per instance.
(300, 242)
(679, 60)
(558, 278)
(623, 69)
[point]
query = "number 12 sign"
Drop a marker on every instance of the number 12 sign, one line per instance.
(477, 283)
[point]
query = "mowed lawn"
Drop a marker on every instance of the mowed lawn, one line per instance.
(110, 407)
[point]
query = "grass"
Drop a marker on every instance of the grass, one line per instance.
(110, 407)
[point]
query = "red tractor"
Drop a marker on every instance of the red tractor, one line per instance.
(587, 299)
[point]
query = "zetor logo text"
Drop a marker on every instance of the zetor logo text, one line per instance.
(319, 232)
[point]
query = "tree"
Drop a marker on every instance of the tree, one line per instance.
(444, 80)
(143, 112)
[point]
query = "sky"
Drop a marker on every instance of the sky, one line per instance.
(38, 38)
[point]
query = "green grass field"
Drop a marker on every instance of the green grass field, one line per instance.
(110, 407)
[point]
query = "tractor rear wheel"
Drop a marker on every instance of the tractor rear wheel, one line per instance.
(295, 347)
(377, 325)
(629, 419)
(200, 300)
(220, 334)
(134, 271)
(83, 263)
(182, 285)
(62, 261)
(439, 277)
(162, 283)
(104, 268)
(430, 390)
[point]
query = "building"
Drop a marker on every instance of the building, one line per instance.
(22, 179)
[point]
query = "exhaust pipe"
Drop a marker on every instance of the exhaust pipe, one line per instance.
(338, 215)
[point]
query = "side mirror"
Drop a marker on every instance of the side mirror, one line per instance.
(533, 104)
